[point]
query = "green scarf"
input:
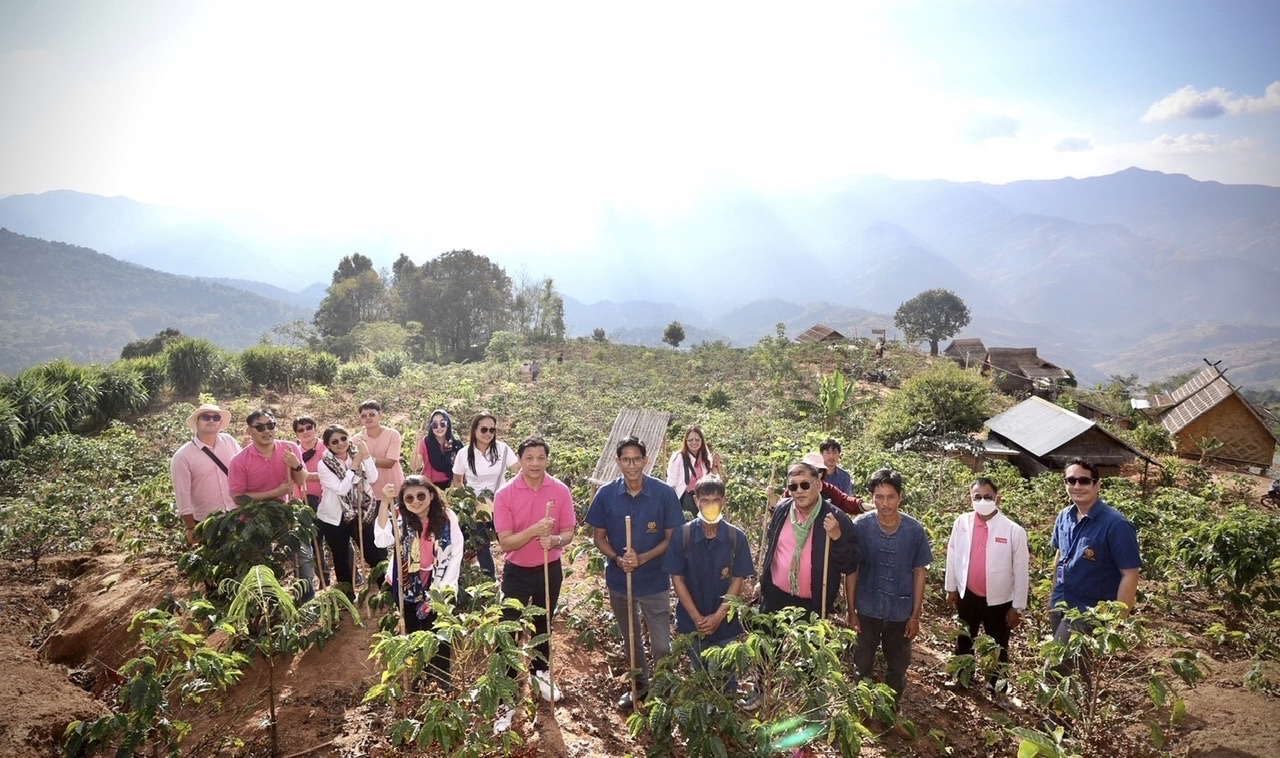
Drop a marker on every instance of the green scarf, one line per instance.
(801, 530)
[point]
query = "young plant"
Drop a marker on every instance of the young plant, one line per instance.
(456, 716)
(269, 533)
(263, 612)
(174, 668)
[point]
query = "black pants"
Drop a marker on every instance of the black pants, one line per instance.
(438, 668)
(529, 587)
(339, 538)
(974, 612)
(774, 599)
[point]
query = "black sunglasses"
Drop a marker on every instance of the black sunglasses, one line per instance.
(419, 497)
(337, 440)
(304, 428)
(267, 427)
(1085, 480)
(209, 417)
(486, 429)
(792, 487)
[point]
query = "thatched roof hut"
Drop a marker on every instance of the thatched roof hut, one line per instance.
(1210, 407)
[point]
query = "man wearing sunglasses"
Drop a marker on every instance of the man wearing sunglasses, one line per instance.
(801, 528)
(199, 468)
(1097, 550)
(268, 468)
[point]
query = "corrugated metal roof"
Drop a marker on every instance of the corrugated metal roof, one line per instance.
(1038, 426)
(1195, 398)
(819, 333)
(1044, 372)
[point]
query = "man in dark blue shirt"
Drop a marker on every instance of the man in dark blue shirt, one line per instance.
(655, 514)
(708, 560)
(1097, 548)
(830, 450)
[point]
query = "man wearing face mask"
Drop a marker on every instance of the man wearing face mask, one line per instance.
(709, 560)
(987, 572)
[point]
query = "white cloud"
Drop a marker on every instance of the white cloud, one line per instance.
(1199, 143)
(1190, 102)
(1076, 143)
(982, 127)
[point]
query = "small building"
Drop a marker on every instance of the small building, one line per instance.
(820, 333)
(1021, 371)
(967, 352)
(1046, 436)
(1210, 407)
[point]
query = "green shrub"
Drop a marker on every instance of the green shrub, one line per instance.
(122, 392)
(189, 362)
(323, 368)
(275, 367)
(226, 378)
(10, 429)
(152, 370)
(504, 347)
(356, 372)
(1239, 553)
(1152, 438)
(390, 362)
(80, 386)
(40, 405)
(260, 532)
(945, 398)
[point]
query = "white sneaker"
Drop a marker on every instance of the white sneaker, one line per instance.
(505, 716)
(547, 689)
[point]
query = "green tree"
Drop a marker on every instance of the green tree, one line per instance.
(673, 335)
(943, 400)
(598, 335)
(465, 299)
(358, 294)
(140, 348)
(933, 315)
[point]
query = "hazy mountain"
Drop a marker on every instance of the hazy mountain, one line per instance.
(1093, 271)
(308, 299)
(61, 301)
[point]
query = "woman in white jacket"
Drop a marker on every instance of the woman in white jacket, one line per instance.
(690, 463)
(345, 492)
(430, 555)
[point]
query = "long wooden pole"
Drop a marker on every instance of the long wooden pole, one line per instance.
(631, 630)
(826, 564)
(546, 588)
(764, 519)
(396, 564)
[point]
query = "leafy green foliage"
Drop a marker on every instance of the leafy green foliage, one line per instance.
(189, 363)
(358, 294)
(1239, 553)
(278, 368)
(933, 315)
(834, 395)
(673, 335)
(267, 533)
(504, 347)
(154, 345)
(944, 398)
(390, 362)
(175, 668)
(485, 651)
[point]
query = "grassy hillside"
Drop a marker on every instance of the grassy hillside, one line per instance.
(62, 301)
(1209, 583)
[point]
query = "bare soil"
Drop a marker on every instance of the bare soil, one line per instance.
(64, 633)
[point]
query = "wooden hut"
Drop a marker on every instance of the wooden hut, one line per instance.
(820, 333)
(1046, 436)
(967, 352)
(1210, 407)
(1021, 370)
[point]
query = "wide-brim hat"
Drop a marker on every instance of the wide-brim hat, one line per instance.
(225, 417)
(815, 460)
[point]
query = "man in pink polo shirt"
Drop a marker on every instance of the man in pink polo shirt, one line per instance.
(987, 572)
(534, 518)
(269, 468)
(199, 468)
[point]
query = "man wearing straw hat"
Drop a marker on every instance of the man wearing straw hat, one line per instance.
(810, 544)
(886, 593)
(199, 468)
(634, 577)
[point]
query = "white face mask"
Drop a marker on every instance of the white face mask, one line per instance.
(984, 507)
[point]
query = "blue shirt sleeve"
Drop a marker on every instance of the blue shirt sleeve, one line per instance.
(743, 566)
(595, 512)
(673, 562)
(1122, 540)
(672, 514)
(924, 553)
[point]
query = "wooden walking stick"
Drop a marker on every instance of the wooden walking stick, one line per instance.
(546, 588)
(826, 563)
(322, 571)
(764, 520)
(631, 630)
(397, 564)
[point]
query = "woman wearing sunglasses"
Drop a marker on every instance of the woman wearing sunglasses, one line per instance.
(483, 466)
(436, 450)
(430, 555)
(346, 471)
(689, 464)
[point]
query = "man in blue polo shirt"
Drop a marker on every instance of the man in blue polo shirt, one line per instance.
(708, 560)
(1097, 556)
(655, 514)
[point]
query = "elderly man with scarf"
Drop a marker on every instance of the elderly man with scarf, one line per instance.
(798, 532)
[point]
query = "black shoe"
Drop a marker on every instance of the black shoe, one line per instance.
(625, 704)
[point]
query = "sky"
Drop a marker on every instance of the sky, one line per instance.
(500, 126)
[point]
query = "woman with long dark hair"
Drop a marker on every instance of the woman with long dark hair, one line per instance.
(483, 465)
(436, 450)
(346, 472)
(691, 462)
(430, 555)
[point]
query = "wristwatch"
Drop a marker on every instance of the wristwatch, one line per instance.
(297, 467)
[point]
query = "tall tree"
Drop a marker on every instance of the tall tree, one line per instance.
(357, 294)
(673, 335)
(466, 298)
(933, 315)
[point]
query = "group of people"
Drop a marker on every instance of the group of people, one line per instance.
(819, 537)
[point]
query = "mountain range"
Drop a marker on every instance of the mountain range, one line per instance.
(1134, 272)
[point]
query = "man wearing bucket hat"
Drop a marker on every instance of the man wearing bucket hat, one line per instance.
(199, 468)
